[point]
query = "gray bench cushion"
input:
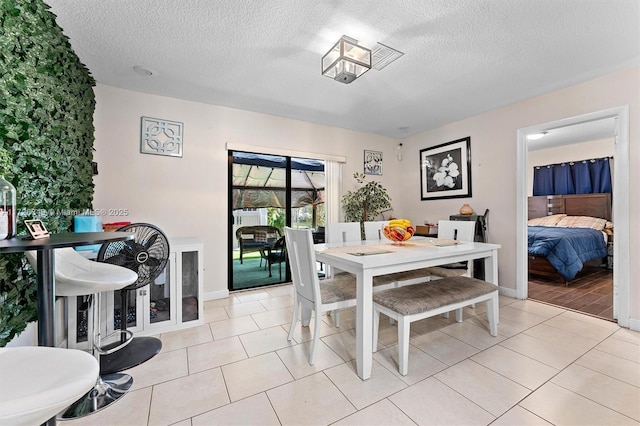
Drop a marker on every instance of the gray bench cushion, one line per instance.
(414, 299)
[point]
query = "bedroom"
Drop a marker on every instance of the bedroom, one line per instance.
(591, 290)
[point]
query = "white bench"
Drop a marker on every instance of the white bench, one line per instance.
(419, 301)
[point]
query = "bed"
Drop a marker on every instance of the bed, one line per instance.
(567, 231)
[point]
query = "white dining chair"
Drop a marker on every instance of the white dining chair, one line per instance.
(332, 295)
(373, 230)
(341, 232)
(463, 231)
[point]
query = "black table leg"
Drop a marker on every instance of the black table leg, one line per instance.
(46, 298)
(46, 304)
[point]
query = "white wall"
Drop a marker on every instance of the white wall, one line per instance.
(574, 152)
(187, 196)
(493, 154)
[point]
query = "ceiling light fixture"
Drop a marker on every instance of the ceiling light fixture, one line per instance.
(536, 136)
(346, 61)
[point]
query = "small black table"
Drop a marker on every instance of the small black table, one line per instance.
(46, 273)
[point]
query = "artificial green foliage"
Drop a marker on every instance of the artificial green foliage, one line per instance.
(366, 203)
(5, 162)
(46, 127)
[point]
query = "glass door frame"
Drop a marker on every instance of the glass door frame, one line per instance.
(230, 224)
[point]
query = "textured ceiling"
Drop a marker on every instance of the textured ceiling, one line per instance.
(461, 57)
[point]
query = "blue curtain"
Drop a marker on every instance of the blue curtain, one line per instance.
(582, 177)
(600, 175)
(579, 177)
(543, 180)
(563, 179)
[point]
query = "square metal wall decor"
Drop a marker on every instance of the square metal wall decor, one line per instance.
(161, 137)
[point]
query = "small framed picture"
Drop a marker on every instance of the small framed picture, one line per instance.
(36, 229)
(372, 162)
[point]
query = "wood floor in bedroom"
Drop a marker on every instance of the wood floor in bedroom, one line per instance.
(590, 292)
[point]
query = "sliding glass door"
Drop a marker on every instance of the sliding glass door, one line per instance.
(267, 193)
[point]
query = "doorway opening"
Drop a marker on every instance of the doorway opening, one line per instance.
(620, 257)
(267, 193)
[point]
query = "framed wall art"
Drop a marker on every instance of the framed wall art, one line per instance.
(445, 170)
(372, 162)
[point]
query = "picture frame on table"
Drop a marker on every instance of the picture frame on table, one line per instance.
(372, 162)
(36, 229)
(445, 170)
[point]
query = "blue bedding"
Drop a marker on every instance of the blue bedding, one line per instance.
(566, 248)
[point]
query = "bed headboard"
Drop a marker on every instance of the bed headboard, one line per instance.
(594, 205)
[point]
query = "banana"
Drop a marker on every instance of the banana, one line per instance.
(399, 223)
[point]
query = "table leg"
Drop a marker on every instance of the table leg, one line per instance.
(46, 298)
(46, 304)
(491, 267)
(364, 325)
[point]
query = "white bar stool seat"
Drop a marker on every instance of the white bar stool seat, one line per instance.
(76, 275)
(38, 382)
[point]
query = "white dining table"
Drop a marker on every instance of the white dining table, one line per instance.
(367, 259)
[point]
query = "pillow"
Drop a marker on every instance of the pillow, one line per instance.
(582, 222)
(608, 225)
(261, 237)
(547, 220)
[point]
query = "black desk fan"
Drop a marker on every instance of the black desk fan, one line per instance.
(147, 255)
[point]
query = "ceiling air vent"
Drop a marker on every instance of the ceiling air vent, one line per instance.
(382, 55)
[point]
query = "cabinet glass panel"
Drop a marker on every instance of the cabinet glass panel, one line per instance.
(132, 320)
(189, 286)
(160, 296)
(82, 317)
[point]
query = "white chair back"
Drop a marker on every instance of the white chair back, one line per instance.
(457, 229)
(302, 261)
(373, 230)
(343, 232)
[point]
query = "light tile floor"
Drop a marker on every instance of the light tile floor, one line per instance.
(547, 366)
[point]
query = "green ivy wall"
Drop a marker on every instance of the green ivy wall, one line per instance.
(46, 126)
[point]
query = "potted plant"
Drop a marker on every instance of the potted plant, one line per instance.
(367, 202)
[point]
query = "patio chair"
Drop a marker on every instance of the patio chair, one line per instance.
(276, 254)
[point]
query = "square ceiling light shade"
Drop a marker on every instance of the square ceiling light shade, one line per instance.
(346, 61)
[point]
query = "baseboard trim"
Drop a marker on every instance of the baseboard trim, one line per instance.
(509, 292)
(214, 295)
(634, 324)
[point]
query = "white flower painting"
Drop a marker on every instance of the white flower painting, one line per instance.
(445, 170)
